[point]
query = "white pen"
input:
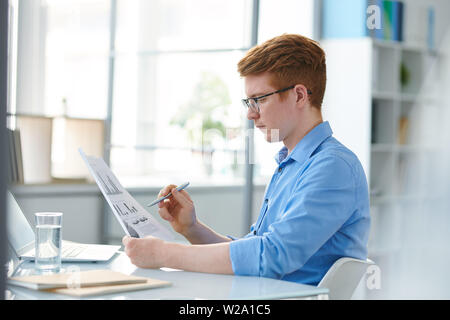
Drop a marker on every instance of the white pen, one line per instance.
(181, 187)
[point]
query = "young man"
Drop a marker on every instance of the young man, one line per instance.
(316, 207)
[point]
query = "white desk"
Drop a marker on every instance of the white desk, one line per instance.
(185, 285)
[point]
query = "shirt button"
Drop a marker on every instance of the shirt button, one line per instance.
(280, 169)
(254, 232)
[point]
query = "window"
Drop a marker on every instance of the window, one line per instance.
(166, 87)
(59, 79)
(62, 57)
(276, 18)
(176, 112)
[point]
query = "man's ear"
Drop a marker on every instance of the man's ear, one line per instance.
(302, 94)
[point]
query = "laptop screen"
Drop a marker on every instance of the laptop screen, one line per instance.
(20, 233)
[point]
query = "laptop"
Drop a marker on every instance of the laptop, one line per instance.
(21, 239)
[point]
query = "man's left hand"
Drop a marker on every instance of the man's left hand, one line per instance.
(145, 252)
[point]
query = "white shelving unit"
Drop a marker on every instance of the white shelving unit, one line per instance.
(367, 102)
(384, 90)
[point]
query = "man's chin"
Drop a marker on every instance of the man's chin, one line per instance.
(271, 135)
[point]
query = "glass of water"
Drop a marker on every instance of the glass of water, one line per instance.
(48, 241)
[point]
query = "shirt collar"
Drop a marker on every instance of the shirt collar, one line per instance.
(307, 145)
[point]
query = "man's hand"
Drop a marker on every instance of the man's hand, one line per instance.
(146, 252)
(178, 209)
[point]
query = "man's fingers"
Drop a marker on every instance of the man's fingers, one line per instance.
(164, 213)
(180, 198)
(186, 195)
(165, 191)
(129, 244)
(126, 240)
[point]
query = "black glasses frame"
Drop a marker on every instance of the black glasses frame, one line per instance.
(248, 104)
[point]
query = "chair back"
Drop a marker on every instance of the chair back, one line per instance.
(343, 277)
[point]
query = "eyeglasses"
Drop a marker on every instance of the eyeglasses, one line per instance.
(253, 103)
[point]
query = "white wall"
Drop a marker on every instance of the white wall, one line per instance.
(347, 100)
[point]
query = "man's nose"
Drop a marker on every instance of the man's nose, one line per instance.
(251, 114)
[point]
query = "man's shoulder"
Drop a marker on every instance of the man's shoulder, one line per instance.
(332, 152)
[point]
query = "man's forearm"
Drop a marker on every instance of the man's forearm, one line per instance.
(202, 234)
(210, 258)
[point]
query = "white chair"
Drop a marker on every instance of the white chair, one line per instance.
(343, 277)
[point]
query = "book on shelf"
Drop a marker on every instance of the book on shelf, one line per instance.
(392, 20)
(68, 135)
(19, 159)
(403, 126)
(387, 20)
(418, 26)
(431, 28)
(12, 174)
(15, 170)
(35, 136)
(397, 20)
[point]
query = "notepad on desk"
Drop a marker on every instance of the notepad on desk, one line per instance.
(105, 289)
(86, 283)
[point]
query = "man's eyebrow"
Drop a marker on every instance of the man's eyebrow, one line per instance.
(256, 95)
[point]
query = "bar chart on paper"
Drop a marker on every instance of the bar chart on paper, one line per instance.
(108, 184)
(123, 209)
(133, 218)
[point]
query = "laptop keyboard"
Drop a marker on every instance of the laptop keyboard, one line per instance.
(72, 251)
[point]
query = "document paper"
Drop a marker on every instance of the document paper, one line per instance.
(134, 219)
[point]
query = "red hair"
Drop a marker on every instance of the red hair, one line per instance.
(291, 59)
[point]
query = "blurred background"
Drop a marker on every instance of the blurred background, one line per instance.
(152, 87)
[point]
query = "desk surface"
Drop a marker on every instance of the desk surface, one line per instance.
(185, 285)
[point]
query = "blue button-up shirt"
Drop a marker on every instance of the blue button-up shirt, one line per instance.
(315, 211)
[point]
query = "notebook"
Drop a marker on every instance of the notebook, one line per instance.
(87, 278)
(100, 290)
(87, 283)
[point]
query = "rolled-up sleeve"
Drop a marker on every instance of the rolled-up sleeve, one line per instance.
(321, 202)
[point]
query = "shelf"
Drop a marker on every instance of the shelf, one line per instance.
(397, 148)
(404, 46)
(413, 98)
(51, 116)
(54, 189)
(386, 70)
(385, 95)
(389, 199)
(411, 148)
(387, 43)
(383, 147)
(409, 97)
(92, 188)
(402, 96)
(404, 106)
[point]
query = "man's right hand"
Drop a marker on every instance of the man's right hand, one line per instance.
(178, 209)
